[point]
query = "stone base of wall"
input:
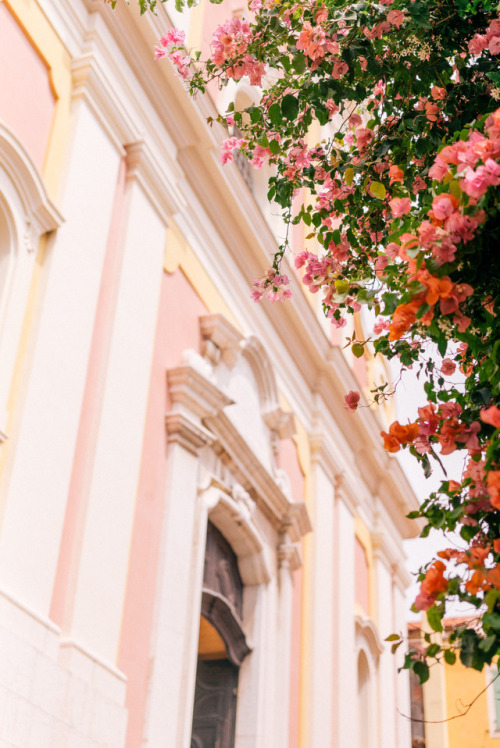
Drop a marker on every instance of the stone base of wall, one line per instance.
(54, 693)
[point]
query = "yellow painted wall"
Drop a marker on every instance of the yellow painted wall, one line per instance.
(472, 730)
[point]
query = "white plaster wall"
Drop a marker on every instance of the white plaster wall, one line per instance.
(44, 449)
(321, 571)
(239, 383)
(45, 704)
(403, 724)
(113, 485)
(387, 663)
(178, 606)
(345, 665)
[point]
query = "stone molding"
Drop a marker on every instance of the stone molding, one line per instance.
(366, 629)
(224, 338)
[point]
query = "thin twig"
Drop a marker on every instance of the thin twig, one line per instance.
(455, 716)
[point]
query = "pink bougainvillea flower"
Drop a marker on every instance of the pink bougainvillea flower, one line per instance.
(438, 93)
(396, 174)
(396, 18)
(400, 206)
(448, 367)
(351, 401)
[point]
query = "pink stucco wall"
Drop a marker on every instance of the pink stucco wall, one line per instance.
(74, 520)
(177, 330)
(26, 98)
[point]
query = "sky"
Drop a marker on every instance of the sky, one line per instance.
(409, 397)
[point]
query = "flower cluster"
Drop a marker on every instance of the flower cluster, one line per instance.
(171, 45)
(273, 285)
(401, 201)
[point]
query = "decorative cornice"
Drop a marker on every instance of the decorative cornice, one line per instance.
(297, 522)
(281, 421)
(289, 556)
(190, 389)
(268, 495)
(218, 331)
(182, 430)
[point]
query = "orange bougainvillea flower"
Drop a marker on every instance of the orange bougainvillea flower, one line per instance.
(493, 576)
(476, 583)
(404, 434)
(491, 415)
(399, 435)
(477, 555)
(391, 444)
(395, 174)
(433, 584)
(434, 581)
(493, 482)
(404, 316)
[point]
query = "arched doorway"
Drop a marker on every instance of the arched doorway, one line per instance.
(222, 646)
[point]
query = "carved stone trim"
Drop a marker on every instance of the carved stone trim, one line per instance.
(289, 557)
(262, 368)
(221, 614)
(233, 518)
(41, 213)
(268, 495)
(187, 433)
(191, 389)
(280, 421)
(220, 339)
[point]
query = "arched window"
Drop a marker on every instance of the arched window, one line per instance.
(369, 648)
(222, 646)
(364, 703)
(26, 213)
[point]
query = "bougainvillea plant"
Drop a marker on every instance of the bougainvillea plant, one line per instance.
(383, 120)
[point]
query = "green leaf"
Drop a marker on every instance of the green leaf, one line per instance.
(433, 650)
(492, 620)
(290, 107)
(450, 657)
(392, 638)
(495, 77)
(434, 616)
(442, 345)
(299, 63)
(377, 189)
(358, 350)
(421, 669)
(349, 175)
(488, 643)
(274, 147)
(275, 114)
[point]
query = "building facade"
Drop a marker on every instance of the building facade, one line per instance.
(199, 546)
